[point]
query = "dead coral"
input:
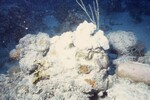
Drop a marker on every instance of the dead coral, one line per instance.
(84, 69)
(39, 74)
(91, 82)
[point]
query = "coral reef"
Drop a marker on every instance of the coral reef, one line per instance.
(63, 67)
(73, 66)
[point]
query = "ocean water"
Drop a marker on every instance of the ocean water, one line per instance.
(21, 17)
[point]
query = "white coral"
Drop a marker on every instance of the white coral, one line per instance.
(85, 38)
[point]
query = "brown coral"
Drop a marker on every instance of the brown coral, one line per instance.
(91, 82)
(84, 69)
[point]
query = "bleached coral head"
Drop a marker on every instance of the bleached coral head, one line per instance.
(84, 38)
(56, 65)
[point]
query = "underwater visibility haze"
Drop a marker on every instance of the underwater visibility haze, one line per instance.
(74, 49)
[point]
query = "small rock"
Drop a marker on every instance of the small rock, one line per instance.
(14, 54)
(135, 71)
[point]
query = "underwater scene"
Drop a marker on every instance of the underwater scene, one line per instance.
(74, 49)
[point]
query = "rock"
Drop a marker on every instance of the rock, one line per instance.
(123, 59)
(134, 71)
(22, 89)
(126, 90)
(14, 54)
(3, 78)
(38, 42)
(145, 59)
(122, 41)
(35, 47)
(14, 69)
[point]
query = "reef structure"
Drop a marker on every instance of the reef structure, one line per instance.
(72, 66)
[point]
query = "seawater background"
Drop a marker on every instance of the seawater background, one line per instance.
(21, 17)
